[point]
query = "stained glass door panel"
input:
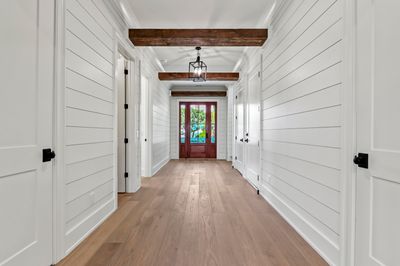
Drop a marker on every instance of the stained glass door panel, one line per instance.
(198, 128)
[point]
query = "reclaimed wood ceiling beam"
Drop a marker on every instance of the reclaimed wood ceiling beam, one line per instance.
(198, 37)
(215, 76)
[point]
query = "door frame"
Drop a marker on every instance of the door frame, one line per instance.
(133, 181)
(348, 136)
(187, 125)
(175, 125)
(59, 134)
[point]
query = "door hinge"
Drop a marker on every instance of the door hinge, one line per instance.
(126, 72)
(259, 74)
(126, 175)
(235, 137)
(126, 106)
(258, 177)
(236, 117)
(258, 143)
(235, 157)
(126, 140)
(236, 97)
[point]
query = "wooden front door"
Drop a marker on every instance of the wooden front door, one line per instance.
(198, 130)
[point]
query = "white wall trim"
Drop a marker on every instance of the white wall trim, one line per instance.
(348, 182)
(59, 138)
(160, 165)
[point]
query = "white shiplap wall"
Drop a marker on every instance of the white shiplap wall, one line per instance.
(158, 111)
(160, 127)
(301, 102)
(89, 119)
(222, 123)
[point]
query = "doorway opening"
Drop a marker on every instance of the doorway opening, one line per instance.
(122, 87)
(197, 130)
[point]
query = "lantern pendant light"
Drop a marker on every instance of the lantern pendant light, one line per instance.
(198, 69)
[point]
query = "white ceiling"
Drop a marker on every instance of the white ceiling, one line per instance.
(197, 14)
(217, 59)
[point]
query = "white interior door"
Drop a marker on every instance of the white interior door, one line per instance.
(239, 131)
(378, 130)
(252, 135)
(26, 75)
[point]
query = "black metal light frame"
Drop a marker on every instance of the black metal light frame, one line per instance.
(198, 69)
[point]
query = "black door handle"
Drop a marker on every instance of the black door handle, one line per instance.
(246, 140)
(241, 140)
(361, 160)
(48, 155)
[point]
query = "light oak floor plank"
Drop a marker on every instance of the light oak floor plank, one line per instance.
(194, 212)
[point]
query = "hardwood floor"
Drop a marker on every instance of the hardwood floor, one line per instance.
(194, 212)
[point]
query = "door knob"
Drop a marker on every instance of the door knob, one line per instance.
(361, 160)
(48, 155)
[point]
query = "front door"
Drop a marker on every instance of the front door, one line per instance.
(198, 128)
(378, 130)
(26, 93)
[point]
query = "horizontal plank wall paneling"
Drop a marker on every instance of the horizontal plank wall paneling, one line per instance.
(89, 119)
(160, 140)
(222, 123)
(302, 87)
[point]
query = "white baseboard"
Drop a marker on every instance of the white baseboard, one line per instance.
(317, 241)
(88, 225)
(158, 166)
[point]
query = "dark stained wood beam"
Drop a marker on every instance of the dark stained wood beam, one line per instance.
(215, 76)
(198, 37)
(198, 93)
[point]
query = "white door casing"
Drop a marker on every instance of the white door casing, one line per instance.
(26, 102)
(144, 127)
(239, 131)
(378, 130)
(252, 132)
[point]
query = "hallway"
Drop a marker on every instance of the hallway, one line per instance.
(194, 212)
